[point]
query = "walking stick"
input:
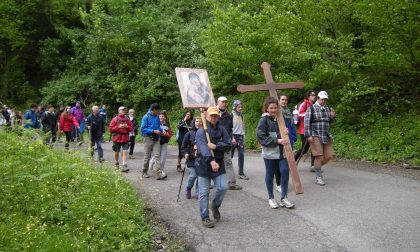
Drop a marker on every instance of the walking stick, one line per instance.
(180, 185)
(301, 153)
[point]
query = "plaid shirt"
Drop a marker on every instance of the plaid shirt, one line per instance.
(319, 125)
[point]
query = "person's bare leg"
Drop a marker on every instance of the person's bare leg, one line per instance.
(124, 157)
(116, 156)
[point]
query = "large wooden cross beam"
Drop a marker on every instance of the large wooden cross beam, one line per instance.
(272, 87)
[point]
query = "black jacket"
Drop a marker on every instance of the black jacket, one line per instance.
(183, 128)
(97, 126)
(49, 122)
(187, 147)
(226, 121)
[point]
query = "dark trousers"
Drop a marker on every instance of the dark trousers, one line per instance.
(132, 143)
(303, 149)
(50, 137)
(68, 138)
(241, 152)
(179, 150)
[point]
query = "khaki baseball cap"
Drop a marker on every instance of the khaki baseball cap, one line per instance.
(213, 111)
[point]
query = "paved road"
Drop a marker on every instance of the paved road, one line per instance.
(356, 211)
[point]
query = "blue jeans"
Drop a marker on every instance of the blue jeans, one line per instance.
(283, 167)
(220, 183)
(241, 152)
(98, 143)
(192, 176)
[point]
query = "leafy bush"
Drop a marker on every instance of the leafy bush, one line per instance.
(56, 201)
(392, 140)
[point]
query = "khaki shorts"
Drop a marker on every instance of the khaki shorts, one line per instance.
(320, 149)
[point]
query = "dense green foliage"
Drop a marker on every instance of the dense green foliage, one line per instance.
(56, 201)
(365, 53)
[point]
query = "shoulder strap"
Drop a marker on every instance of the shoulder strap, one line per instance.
(312, 114)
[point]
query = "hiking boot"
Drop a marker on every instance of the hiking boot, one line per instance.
(273, 204)
(179, 168)
(235, 187)
(243, 176)
(80, 143)
(278, 189)
(144, 175)
(131, 157)
(215, 212)
(188, 193)
(286, 203)
(124, 168)
(208, 223)
(319, 181)
(117, 164)
(101, 160)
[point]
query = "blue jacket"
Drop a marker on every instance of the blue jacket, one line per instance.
(292, 131)
(31, 120)
(149, 123)
(220, 137)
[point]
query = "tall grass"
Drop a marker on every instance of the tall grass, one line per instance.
(52, 200)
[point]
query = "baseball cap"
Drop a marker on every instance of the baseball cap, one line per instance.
(221, 98)
(213, 111)
(121, 108)
(323, 95)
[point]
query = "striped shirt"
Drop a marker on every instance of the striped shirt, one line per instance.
(317, 123)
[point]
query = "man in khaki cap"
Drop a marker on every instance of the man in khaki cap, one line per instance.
(211, 165)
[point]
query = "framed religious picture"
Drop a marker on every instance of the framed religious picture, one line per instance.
(194, 86)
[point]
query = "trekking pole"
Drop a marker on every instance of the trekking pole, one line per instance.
(180, 185)
(301, 153)
(90, 147)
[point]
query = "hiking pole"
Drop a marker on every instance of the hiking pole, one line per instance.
(301, 153)
(180, 185)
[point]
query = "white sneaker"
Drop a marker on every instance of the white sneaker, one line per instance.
(273, 204)
(278, 189)
(286, 203)
(319, 181)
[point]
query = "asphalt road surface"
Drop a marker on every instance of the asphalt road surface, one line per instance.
(357, 210)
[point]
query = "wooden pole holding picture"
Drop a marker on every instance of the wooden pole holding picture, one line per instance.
(272, 87)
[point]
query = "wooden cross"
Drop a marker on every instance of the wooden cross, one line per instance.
(272, 87)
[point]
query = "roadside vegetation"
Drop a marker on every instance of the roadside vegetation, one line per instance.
(52, 200)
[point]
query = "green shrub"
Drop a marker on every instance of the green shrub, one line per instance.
(56, 201)
(393, 140)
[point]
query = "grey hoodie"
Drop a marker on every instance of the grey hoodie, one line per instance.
(267, 134)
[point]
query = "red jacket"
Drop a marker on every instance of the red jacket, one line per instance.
(302, 110)
(66, 124)
(120, 135)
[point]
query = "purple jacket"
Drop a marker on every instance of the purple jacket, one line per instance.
(78, 113)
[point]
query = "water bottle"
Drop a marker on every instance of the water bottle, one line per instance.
(295, 116)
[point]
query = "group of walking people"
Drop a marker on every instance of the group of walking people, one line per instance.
(207, 142)
(209, 151)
